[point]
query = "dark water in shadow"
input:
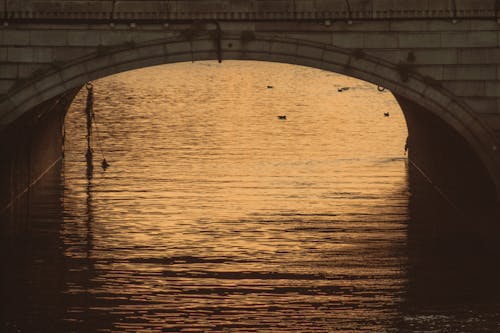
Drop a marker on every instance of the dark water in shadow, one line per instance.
(217, 217)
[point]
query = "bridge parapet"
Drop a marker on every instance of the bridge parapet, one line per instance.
(247, 10)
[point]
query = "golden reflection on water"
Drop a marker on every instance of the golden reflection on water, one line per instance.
(216, 215)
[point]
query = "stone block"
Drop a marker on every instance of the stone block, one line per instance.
(435, 56)
(287, 26)
(114, 37)
(98, 63)
(380, 40)
(150, 6)
(83, 38)
(419, 40)
(491, 120)
(387, 73)
(433, 71)
(203, 45)
(493, 88)
(237, 27)
(474, 5)
(470, 39)
(48, 82)
(279, 58)
(68, 54)
(206, 55)
(72, 72)
(324, 38)
(394, 56)
(100, 73)
(6, 85)
(235, 45)
(16, 37)
(369, 26)
(408, 25)
(124, 56)
(309, 52)
(335, 57)
(26, 70)
(24, 94)
(153, 51)
(481, 104)
(283, 48)
(79, 81)
(354, 40)
(177, 57)
(273, 6)
(48, 38)
(43, 54)
(241, 5)
(320, 5)
(364, 65)
(481, 25)
(145, 36)
(178, 48)
(259, 46)
(8, 71)
(466, 88)
(469, 72)
(479, 56)
(20, 54)
(431, 96)
(411, 5)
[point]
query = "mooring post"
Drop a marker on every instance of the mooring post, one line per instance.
(88, 112)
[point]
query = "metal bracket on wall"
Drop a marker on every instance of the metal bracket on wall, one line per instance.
(454, 11)
(349, 12)
(112, 13)
(5, 11)
(218, 41)
(497, 10)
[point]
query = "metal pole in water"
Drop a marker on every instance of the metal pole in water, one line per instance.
(88, 112)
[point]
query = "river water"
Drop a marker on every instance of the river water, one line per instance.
(216, 216)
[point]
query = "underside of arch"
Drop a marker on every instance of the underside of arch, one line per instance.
(412, 91)
(437, 153)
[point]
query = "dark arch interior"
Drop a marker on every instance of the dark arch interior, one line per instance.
(441, 154)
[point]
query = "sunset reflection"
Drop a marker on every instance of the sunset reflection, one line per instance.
(217, 214)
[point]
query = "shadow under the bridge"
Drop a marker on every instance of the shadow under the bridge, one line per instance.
(453, 270)
(448, 162)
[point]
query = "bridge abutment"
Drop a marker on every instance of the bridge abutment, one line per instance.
(446, 158)
(31, 146)
(452, 194)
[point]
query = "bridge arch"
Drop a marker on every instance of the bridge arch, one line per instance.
(407, 86)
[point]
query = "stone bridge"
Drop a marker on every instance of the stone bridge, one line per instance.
(440, 59)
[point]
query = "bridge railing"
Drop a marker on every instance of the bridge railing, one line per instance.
(246, 10)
